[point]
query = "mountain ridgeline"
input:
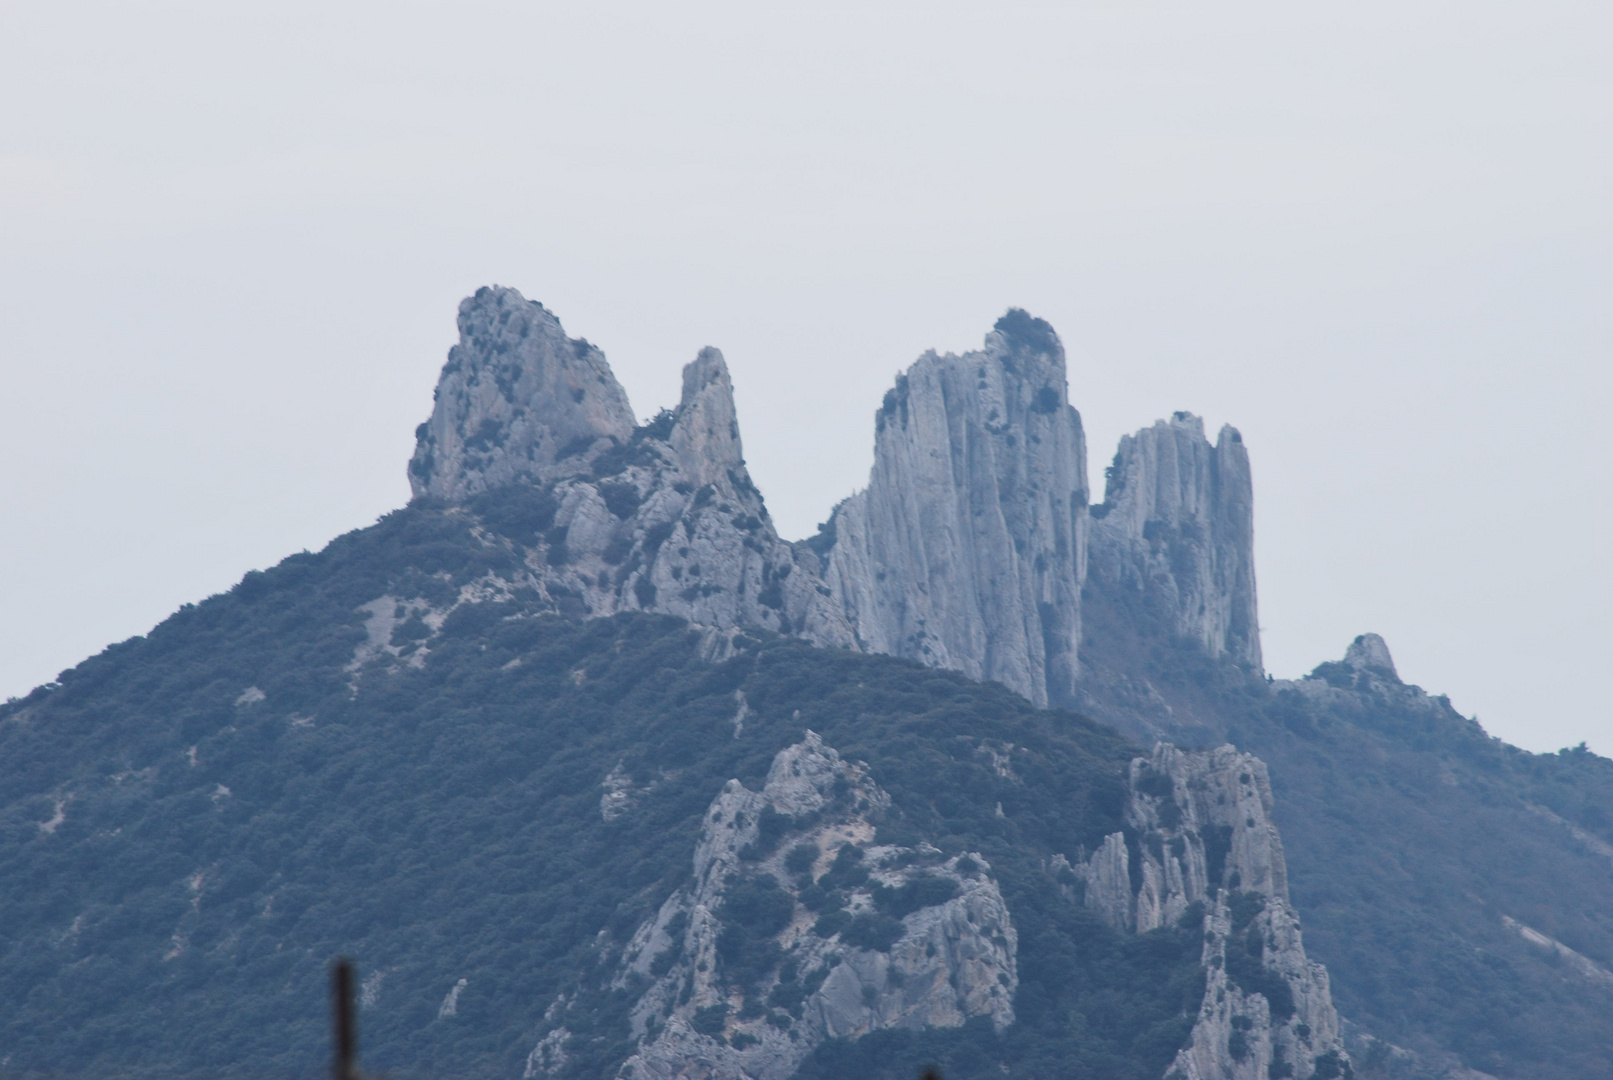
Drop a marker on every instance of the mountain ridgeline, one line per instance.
(599, 777)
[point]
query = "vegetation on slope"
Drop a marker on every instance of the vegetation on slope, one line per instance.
(194, 822)
(1411, 836)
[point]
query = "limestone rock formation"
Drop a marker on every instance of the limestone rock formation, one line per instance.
(1370, 653)
(1200, 826)
(516, 397)
(796, 928)
(967, 550)
(1173, 540)
(968, 547)
(532, 432)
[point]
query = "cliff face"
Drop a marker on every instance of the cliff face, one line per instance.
(796, 928)
(516, 398)
(968, 547)
(532, 432)
(1175, 536)
(1206, 850)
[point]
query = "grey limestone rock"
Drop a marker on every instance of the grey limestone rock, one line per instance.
(1173, 539)
(1370, 653)
(952, 959)
(968, 547)
(967, 550)
(661, 518)
(516, 397)
(1209, 851)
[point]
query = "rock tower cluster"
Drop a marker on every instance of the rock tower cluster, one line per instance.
(969, 549)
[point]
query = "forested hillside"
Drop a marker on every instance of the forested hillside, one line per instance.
(1420, 850)
(196, 821)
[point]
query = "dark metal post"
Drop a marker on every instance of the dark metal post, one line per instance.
(346, 1031)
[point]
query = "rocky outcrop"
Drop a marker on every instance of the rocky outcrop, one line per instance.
(1200, 834)
(1172, 543)
(967, 550)
(797, 928)
(516, 398)
(968, 547)
(1370, 653)
(1365, 678)
(532, 433)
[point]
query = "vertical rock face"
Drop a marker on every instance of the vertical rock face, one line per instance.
(968, 547)
(796, 929)
(532, 433)
(516, 397)
(1206, 850)
(1173, 539)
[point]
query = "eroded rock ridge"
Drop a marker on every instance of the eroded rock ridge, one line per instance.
(798, 928)
(1173, 540)
(968, 547)
(967, 550)
(532, 432)
(1201, 848)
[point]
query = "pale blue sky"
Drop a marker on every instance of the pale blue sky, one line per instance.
(1378, 237)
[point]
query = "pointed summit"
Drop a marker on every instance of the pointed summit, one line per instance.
(516, 397)
(705, 431)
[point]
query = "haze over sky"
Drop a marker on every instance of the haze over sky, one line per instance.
(1377, 237)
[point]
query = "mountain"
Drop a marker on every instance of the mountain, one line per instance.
(598, 776)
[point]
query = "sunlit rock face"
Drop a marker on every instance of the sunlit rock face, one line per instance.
(968, 547)
(1173, 540)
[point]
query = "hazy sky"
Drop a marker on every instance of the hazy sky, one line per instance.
(1378, 237)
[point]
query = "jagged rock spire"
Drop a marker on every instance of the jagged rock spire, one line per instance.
(967, 548)
(516, 397)
(611, 516)
(1209, 853)
(705, 433)
(1176, 532)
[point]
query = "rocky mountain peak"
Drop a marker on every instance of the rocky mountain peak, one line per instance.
(705, 431)
(1369, 653)
(516, 398)
(1173, 540)
(967, 548)
(532, 434)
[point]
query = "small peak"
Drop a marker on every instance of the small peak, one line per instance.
(1369, 653)
(515, 397)
(705, 428)
(1021, 331)
(1189, 422)
(1228, 435)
